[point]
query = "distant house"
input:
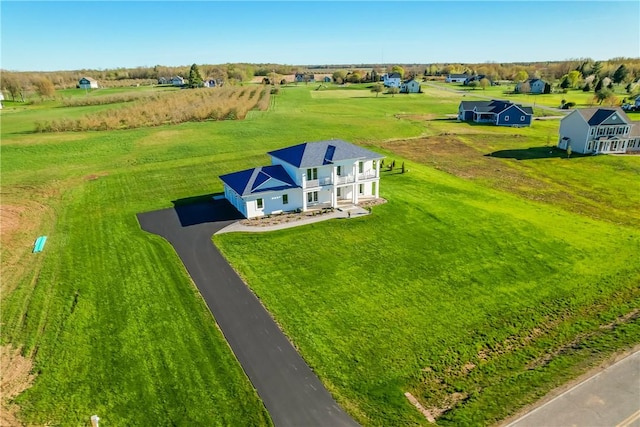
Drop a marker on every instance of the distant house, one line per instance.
(327, 79)
(304, 77)
(306, 176)
(87, 83)
(476, 78)
(164, 81)
(456, 78)
(214, 82)
(535, 86)
(391, 79)
(410, 86)
(599, 130)
(499, 113)
(1, 99)
(177, 81)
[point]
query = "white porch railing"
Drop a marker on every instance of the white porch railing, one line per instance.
(345, 179)
(367, 175)
(317, 182)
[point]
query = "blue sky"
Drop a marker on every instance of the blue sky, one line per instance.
(51, 35)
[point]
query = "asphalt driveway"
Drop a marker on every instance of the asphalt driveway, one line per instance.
(291, 392)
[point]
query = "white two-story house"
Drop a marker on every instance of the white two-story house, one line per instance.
(599, 130)
(391, 80)
(306, 176)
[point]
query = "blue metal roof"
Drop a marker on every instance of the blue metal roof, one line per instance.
(314, 154)
(258, 180)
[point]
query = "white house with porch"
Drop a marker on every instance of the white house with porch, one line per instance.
(307, 176)
(599, 131)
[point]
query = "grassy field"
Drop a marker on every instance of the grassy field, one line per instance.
(452, 291)
(510, 263)
(580, 98)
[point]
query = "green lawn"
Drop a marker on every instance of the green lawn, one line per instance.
(453, 270)
(447, 275)
(580, 98)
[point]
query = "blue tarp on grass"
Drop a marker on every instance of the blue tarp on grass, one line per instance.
(39, 244)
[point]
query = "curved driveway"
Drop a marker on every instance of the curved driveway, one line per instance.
(291, 392)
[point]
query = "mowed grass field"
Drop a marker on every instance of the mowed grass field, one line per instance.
(484, 281)
(577, 96)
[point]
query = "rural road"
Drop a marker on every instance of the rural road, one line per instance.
(291, 392)
(609, 398)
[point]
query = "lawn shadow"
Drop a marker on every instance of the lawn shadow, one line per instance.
(533, 153)
(202, 209)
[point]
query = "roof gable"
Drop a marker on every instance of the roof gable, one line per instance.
(525, 110)
(604, 116)
(614, 119)
(260, 179)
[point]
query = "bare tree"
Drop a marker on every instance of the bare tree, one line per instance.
(393, 90)
(524, 87)
(44, 87)
(12, 84)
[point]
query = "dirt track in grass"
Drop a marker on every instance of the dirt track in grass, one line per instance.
(15, 377)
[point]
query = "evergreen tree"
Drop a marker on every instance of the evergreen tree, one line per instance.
(620, 74)
(629, 88)
(599, 86)
(195, 79)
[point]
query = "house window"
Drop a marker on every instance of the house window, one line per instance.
(312, 197)
(374, 164)
(312, 174)
(339, 171)
(285, 199)
(361, 188)
(592, 131)
(506, 118)
(339, 192)
(360, 167)
(589, 146)
(259, 203)
(522, 118)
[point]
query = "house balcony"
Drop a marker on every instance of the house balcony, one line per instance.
(349, 179)
(313, 183)
(367, 175)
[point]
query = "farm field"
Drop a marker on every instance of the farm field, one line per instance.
(484, 282)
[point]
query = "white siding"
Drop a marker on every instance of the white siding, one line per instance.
(574, 127)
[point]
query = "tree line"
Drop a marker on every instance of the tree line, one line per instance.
(19, 85)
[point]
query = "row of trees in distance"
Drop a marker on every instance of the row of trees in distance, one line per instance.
(573, 73)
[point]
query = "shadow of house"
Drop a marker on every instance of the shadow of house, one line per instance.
(533, 153)
(204, 209)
